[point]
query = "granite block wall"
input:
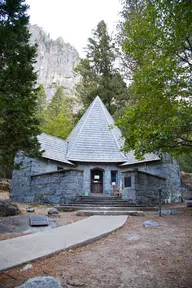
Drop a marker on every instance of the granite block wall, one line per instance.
(60, 187)
(167, 168)
(144, 188)
(39, 181)
(147, 189)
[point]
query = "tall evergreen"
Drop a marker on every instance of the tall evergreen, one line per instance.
(98, 75)
(58, 117)
(18, 99)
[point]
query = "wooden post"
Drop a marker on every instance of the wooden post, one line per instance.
(160, 189)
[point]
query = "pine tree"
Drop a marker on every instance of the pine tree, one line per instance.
(98, 75)
(58, 117)
(18, 123)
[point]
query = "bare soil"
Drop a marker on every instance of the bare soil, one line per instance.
(160, 258)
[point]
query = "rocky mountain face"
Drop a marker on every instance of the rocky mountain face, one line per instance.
(55, 62)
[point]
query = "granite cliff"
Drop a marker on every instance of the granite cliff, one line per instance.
(55, 62)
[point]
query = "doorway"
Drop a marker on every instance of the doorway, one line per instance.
(97, 180)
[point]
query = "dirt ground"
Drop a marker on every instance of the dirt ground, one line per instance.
(159, 258)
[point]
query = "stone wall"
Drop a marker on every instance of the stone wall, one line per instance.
(61, 187)
(39, 181)
(186, 180)
(129, 193)
(167, 168)
(147, 188)
(144, 187)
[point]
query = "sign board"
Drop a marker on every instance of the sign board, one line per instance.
(96, 177)
(38, 220)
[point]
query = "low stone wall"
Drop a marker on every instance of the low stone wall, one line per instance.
(144, 187)
(186, 182)
(59, 187)
(147, 188)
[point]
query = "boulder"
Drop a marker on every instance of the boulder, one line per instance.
(150, 224)
(8, 209)
(42, 282)
(53, 211)
(30, 209)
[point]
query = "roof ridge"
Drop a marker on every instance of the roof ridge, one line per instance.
(116, 142)
(91, 107)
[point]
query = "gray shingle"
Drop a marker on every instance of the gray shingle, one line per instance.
(132, 160)
(92, 140)
(55, 148)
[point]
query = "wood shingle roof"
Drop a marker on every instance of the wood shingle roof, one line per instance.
(92, 140)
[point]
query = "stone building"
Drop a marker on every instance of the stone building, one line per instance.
(90, 162)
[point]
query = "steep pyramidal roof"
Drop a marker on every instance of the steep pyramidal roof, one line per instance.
(92, 140)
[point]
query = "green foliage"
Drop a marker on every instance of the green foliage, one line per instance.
(41, 103)
(185, 163)
(98, 75)
(18, 123)
(158, 40)
(58, 116)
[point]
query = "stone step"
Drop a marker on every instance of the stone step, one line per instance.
(108, 213)
(100, 197)
(104, 204)
(67, 208)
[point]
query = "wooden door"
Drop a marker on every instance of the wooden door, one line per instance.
(96, 181)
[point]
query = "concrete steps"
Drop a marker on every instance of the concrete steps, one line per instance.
(67, 208)
(103, 201)
(108, 213)
(104, 205)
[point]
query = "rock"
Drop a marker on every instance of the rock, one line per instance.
(30, 209)
(27, 267)
(53, 211)
(133, 238)
(8, 209)
(150, 224)
(42, 282)
(170, 212)
(4, 185)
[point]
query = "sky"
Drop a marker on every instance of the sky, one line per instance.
(73, 19)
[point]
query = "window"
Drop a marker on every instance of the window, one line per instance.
(127, 182)
(59, 168)
(114, 177)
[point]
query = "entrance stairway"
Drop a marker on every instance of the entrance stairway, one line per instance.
(105, 205)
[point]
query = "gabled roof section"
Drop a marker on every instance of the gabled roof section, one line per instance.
(55, 148)
(92, 140)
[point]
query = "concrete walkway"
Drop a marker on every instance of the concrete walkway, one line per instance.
(17, 251)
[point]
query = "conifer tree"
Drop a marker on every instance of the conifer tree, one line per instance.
(98, 75)
(18, 123)
(58, 116)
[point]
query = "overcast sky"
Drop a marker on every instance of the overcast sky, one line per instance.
(73, 19)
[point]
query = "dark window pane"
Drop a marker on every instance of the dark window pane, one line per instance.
(113, 176)
(127, 182)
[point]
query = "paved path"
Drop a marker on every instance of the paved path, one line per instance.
(24, 249)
